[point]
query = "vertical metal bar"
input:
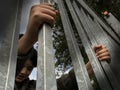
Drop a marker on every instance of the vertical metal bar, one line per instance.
(82, 77)
(92, 32)
(109, 42)
(95, 64)
(108, 29)
(46, 73)
(101, 74)
(114, 49)
(45, 64)
(8, 50)
(114, 23)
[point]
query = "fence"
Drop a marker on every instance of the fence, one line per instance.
(91, 29)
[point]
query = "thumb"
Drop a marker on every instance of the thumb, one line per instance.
(96, 47)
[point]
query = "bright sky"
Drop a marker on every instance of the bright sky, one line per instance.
(33, 75)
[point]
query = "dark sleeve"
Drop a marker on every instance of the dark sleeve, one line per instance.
(32, 85)
(67, 82)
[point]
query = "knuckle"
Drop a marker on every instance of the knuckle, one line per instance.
(54, 14)
(33, 7)
(104, 47)
(107, 50)
(109, 55)
(52, 19)
(36, 15)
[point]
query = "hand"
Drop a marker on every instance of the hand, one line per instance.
(102, 52)
(39, 14)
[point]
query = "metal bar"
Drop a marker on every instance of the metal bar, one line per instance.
(95, 64)
(114, 49)
(92, 32)
(89, 34)
(78, 64)
(46, 73)
(8, 50)
(110, 43)
(105, 41)
(108, 29)
(45, 62)
(114, 23)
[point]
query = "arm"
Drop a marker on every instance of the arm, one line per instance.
(39, 15)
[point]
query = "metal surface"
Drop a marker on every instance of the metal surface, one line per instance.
(46, 73)
(15, 17)
(82, 77)
(108, 29)
(95, 34)
(98, 36)
(10, 13)
(88, 47)
(114, 23)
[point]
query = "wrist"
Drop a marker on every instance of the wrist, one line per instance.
(25, 44)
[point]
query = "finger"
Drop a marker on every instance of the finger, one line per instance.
(102, 48)
(47, 6)
(48, 19)
(97, 47)
(50, 8)
(49, 12)
(101, 51)
(104, 58)
(97, 50)
(103, 55)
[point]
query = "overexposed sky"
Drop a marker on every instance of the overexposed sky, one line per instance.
(33, 75)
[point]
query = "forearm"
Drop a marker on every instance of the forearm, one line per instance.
(89, 68)
(25, 44)
(39, 15)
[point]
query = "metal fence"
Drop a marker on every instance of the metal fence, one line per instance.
(91, 29)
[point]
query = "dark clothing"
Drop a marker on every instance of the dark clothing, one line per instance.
(26, 85)
(21, 59)
(67, 82)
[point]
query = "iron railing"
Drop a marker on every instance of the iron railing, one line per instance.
(90, 28)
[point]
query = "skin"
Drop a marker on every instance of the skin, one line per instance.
(39, 14)
(25, 72)
(102, 53)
